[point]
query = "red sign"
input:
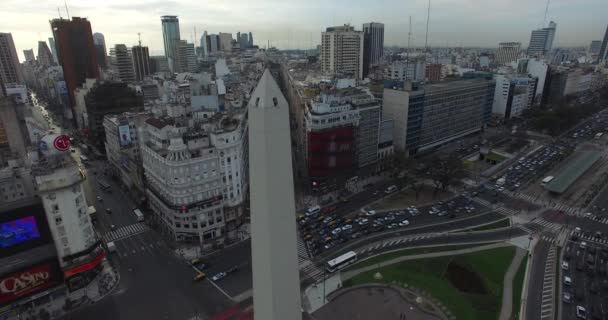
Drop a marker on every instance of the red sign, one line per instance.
(62, 143)
(21, 284)
(85, 267)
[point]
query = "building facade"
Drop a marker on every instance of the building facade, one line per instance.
(507, 52)
(225, 42)
(541, 40)
(29, 55)
(432, 115)
(45, 58)
(342, 51)
(434, 72)
(141, 62)
(171, 38)
(187, 57)
(10, 70)
(404, 70)
(513, 95)
(122, 63)
(603, 55)
(373, 49)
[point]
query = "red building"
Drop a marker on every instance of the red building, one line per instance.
(75, 52)
(433, 72)
(331, 152)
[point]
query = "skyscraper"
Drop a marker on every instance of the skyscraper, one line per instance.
(53, 49)
(29, 55)
(243, 41)
(541, 40)
(45, 58)
(507, 52)
(225, 41)
(141, 62)
(204, 44)
(276, 285)
(122, 63)
(604, 49)
(373, 48)
(75, 52)
(250, 39)
(171, 39)
(100, 48)
(10, 70)
(186, 57)
(342, 51)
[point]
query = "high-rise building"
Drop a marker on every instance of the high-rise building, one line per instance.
(75, 52)
(122, 62)
(250, 39)
(507, 52)
(243, 40)
(100, 49)
(374, 44)
(187, 57)
(204, 45)
(541, 40)
(141, 62)
(10, 70)
(513, 95)
(45, 58)
(225, 42)
(53, 49)
(276, 285)
(342, 51)
(406, 70)
(213, 43)
(434, 114)
(29, 55)
(158, 64)
(171, 39)
(595, 46)
(604, 49)
(434, 72)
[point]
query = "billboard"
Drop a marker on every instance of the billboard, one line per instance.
(27, 282)
(17, 231)
(124, 135)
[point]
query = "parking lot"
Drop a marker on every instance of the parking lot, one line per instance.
(584, 278)
(322, 229)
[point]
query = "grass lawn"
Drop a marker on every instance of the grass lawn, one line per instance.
(518, 286)
(407, 198)
(495, 225)
(409, 252)
(470, 285)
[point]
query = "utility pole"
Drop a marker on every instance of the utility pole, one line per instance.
(545, 18)
(428, 16)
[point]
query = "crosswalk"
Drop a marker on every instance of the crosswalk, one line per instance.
(302, 251)
(312, 271)
(574, 211)
(589, 238)
(393, 242)
(548, 238)
(503, 210)
(546, 307)
(125, 232)
(539, 225)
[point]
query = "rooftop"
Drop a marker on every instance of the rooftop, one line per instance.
(574, 169)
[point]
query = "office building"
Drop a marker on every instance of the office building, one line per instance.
(76, 53)
(243, 40)
(434, 72)
(250, 40)
(187, 57)
(141, 62)
(122, 63)
(29, 56)
(507, 52)
(45, 58)
(225, 42)
(373, 48)
(171, 38)
(342, 51)
(513, 95)
(10, 70)
(603, 55)
(101, 50)
(541, 40)
(204, 44)
(403, 70)
(594, 47)
(429, 116)
(158, 64)
(276, 285)
(53, 49)
(538, 69)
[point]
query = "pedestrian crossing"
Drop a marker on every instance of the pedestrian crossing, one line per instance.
(548, 238)
(589, 238)
(302, 251)
(503, 210)
(552, 226)
(313, 272)
(546, 307)
(393, 242)
(125, 232)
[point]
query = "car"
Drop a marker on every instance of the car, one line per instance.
(112, 227)
(199, 276)
(363, 222)
(583, 245)
(577, 230)
(581, 312)
(219, 276)
(99, 198)
(565, 265)
(108, 210)
(404, 223)
(567, 297)
(392, 226)
(370, 213)
(232, 269)
(588, 214)
(567, 281)
(336, 231)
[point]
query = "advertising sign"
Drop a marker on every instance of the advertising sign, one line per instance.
(25, 283)
(18, 231)
(62, 143)
(124, 135)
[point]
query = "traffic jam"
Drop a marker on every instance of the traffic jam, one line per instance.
(323, 230)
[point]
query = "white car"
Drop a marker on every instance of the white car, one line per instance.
(347, 227)
(99, 198)
(404, 223)
(219, 276)
(565, 265)
(336, 231)
(370, 213)
(581, 312)
(588, 214)
(583, 245)
(363, 222)
(567, 281)
(577, 230)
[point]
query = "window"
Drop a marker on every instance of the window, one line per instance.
(58, 220)
(178, 225)
(64, 241)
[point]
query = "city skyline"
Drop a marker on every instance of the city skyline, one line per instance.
(276, 22)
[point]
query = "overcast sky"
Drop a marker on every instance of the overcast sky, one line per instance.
(298, 24)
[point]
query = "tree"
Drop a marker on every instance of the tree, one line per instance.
(443, 171)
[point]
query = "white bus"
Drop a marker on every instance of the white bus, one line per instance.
(341, 261)
(546, 180)
(139, 215)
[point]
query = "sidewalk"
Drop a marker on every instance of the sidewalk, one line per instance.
(506, 308)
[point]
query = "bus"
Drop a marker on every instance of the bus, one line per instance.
(139, 215)
(546, 180)
(104, 185)
(341, 261)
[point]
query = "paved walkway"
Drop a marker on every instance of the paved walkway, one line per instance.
(349, 274)
(507, 288)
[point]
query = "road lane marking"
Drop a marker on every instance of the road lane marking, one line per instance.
(220, 289)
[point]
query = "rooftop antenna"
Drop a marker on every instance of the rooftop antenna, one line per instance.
(409, 37)
(59, 13)
(428, 16)
(194, 40)
(546, 10)
(139, 38)
(66, 8)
